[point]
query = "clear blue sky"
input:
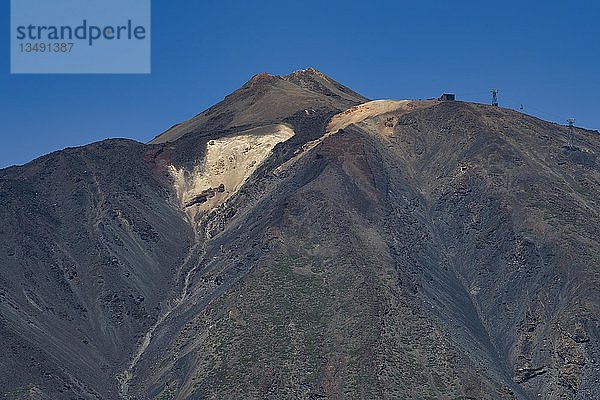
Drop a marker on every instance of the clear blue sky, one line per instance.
(543, 54)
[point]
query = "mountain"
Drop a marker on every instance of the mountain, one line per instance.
(298, 241)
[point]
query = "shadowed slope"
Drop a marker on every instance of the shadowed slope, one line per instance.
(90, 243)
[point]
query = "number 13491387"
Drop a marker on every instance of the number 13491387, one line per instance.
(46, 47)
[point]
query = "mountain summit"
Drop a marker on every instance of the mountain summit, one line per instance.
(268, 99)
(298, 241)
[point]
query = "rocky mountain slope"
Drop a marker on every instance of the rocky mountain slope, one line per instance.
(297, 241)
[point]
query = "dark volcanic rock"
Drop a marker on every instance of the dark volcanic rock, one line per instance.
(90, 242)
(432, 250)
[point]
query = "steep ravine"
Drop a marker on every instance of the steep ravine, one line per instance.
(228, 162)
(124, 378)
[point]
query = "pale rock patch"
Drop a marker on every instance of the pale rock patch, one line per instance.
(228, 163)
